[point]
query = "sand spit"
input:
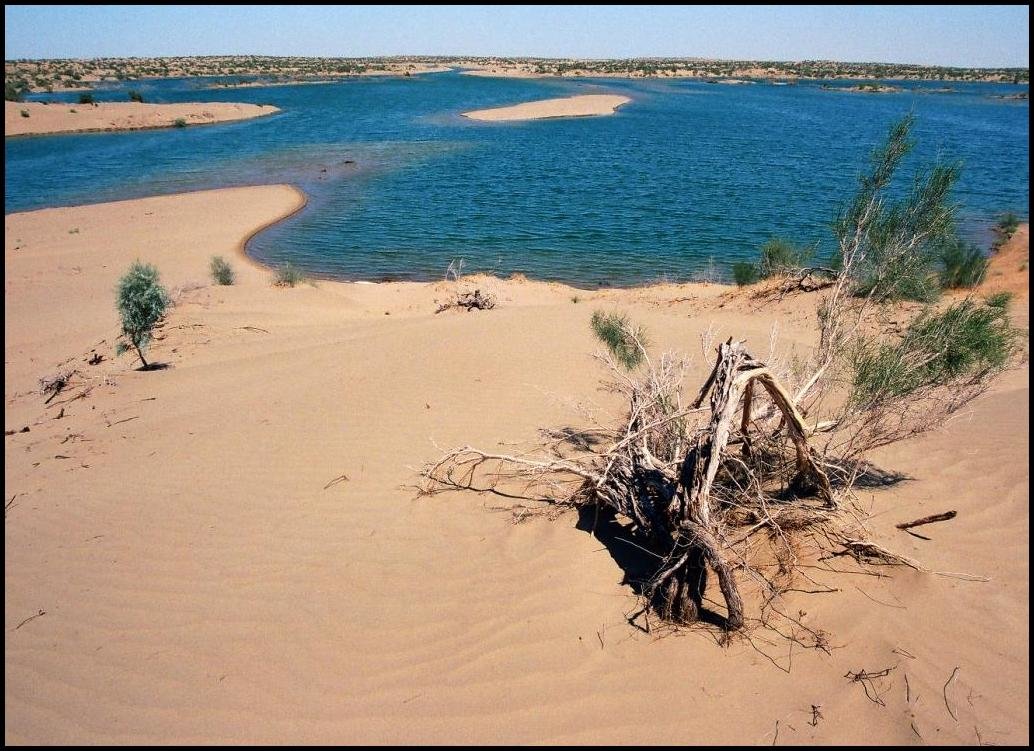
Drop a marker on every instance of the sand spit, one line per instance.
(75, 118)
(230, 551)
(576, 106)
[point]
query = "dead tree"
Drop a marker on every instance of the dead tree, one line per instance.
(661, 476)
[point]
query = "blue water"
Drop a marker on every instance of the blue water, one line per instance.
(688, 176)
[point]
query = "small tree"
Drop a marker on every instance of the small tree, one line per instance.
(86, 98)
(142, 302)
(135, 96)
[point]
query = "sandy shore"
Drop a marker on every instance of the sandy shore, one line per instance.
(74, 118)
(575, 106)
(202, 577)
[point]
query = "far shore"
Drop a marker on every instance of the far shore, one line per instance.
(588, 105)
(39, 118)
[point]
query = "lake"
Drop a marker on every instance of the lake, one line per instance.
(680, 183)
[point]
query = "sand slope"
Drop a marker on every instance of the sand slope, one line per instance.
(575, 106)
(73, 118)
(202, 584)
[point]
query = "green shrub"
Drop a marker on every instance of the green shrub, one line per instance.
(222, 272)
(962, 265)
(86, 98)
(135, 96)
(25, 113)
(744, 273)
(778, 255)
(142, 302)
(999, 300)
(288, 276)
(627, 343)
(180, 123)
(966, 342)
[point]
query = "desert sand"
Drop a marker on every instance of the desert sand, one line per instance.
(74, 118)
(231, 549)
(575, 106)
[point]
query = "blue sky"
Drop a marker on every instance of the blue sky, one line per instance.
(987, 36)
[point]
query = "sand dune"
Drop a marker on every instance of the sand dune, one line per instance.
(575, 106)
(73, 118)
(201, 583)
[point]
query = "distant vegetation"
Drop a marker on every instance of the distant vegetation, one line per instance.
(86, 98)
(135, 96)
(44, 75)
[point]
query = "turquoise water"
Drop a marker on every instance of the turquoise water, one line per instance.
(684, 180)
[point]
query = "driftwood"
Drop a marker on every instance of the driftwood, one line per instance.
(471, 301)
(663, 476)
(928, 520)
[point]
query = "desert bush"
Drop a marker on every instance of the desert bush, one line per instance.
(626, 342)
(222, 272)
(904, 386)
(180, 123)
(142, 302)
(86, 98)
(744, 273)
(962, 264)
(998, 300)
(24, 113)
(135, 96)
(288, 275)
(779, 255)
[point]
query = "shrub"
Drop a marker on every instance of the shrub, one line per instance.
(14, 91)
(627, 343)
(86, 98)
(222, 272)
(778, 255)
(744, 273)
(25, 113)
(135, 96)
(962, 265)
(142, 302)
(966, 342)
(998, 300)
(1006, 226)
(180, 123)
(288, 276)
(888, 248)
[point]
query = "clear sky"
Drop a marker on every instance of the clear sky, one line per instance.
(986, 36)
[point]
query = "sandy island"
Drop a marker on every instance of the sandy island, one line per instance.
(74, 118)
(575, 106)
(230, 550)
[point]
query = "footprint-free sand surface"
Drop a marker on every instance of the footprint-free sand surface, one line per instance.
(37, 118)
(231, 549)
(588, 105)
